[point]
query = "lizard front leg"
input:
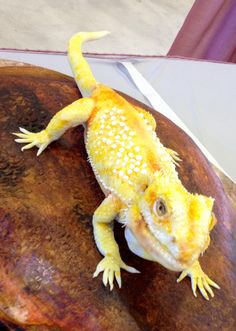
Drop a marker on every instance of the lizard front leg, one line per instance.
(72, 115)
(199, 279)
(111, 264)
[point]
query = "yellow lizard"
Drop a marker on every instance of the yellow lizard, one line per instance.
(163, 221)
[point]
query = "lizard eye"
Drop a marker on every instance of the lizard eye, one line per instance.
(159, 207)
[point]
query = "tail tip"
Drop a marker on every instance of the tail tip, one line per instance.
(104, 33)
(86, 36)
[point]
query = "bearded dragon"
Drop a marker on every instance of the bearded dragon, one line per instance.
(163, 221)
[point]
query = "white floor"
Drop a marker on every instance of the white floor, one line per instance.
(137, 26)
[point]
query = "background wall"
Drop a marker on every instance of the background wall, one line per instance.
(137, 26)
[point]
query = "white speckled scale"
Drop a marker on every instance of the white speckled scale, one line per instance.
(117, 151)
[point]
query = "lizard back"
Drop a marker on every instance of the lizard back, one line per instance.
(122, 145)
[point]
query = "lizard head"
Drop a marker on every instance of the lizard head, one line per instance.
(175, 224)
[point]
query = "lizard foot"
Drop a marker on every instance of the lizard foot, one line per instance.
(199, 279)
(110, 266)
(40, 139)
(175, 156)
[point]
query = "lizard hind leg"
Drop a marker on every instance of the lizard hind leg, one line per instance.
(72, 115)
(175, 156)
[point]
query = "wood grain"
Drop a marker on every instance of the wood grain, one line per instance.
(47, 251)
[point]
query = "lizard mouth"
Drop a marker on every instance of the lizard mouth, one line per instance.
(166, 250)
(163, 251)
(158, 250)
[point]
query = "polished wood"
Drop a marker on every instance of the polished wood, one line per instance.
(47, 250)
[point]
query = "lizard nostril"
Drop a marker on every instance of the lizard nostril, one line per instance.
(173, 240)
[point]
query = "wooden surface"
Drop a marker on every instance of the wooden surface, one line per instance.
(47, 251)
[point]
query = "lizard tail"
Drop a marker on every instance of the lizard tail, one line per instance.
(82, 72)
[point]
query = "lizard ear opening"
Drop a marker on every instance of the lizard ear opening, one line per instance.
(145, 187)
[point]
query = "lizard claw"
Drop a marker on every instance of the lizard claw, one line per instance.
(110, 266)
(175, 156)
(40, 139)
(199, 280)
